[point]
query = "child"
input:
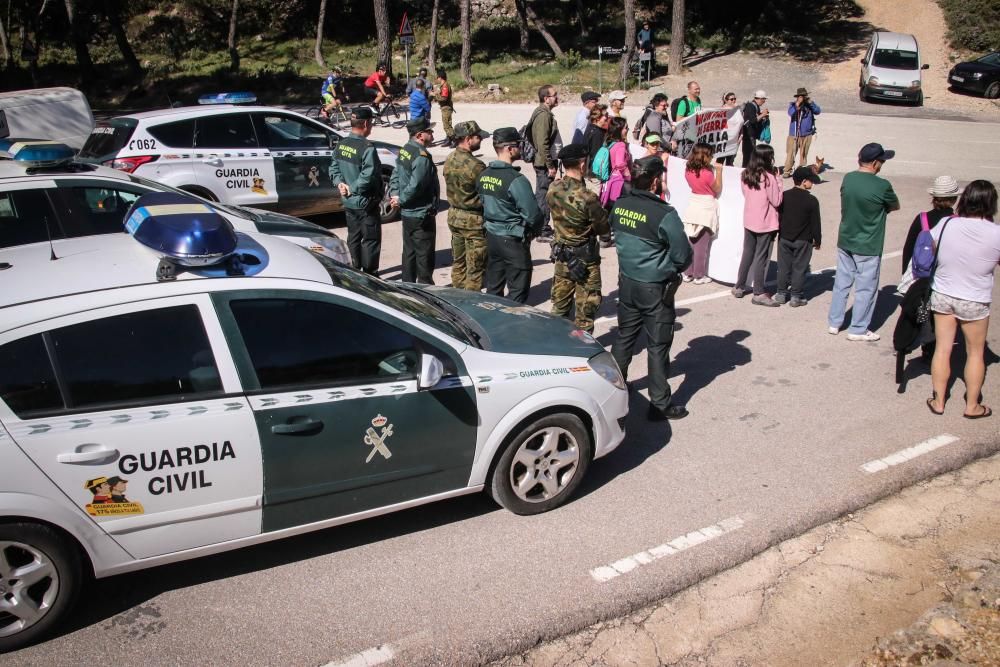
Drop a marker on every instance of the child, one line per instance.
(799, 232)
(701, 218)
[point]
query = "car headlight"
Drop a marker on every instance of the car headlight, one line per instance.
(976, 75)
(915, 84)
(873, 81)
(605, 365)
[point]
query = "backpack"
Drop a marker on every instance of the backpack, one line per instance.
(528, 150)
(923, 251)
(641, 123)
(675, 106)
(601, 166)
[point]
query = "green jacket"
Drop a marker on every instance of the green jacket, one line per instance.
(577, 214)
(509, 205)
(544, 134)
(650, 239)
(355, 162)
(415, 181)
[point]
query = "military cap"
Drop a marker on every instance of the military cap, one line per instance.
(572, 152)
(507, 135)
(418, 125)
(361, 113)
(469, 128)
(651, 165)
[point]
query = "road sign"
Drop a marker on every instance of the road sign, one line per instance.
(407, 39)
(405, 29)
(612, 50)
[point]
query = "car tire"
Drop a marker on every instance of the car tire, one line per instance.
(554, 451)
(386, 211)
(56, 565)
(919, 101)
(861, 93)
(199, 191)
(992, 91)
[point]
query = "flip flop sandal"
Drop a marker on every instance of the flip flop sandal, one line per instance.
(930, 406)
(985, 413)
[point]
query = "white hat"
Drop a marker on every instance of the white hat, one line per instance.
(944, 186)
(761, 94)
(616, 95)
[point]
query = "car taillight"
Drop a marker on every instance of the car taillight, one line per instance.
(131, 163)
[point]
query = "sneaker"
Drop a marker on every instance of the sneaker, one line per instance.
(704, 280)
(764, 300)
(868, 337)
(781, 297)
(833, 331)
(738, 292)
(655, 414)
(797, 301)
(687, 278)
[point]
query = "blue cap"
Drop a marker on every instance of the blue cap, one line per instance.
(228, 98)
(36, 151)
(180, 228)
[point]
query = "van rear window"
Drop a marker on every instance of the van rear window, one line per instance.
(106, 140)
(893, 59)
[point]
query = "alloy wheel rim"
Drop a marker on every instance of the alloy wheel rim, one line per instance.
(544, 464)
(29, 585)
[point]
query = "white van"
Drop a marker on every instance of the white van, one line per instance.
(891, 69)
(58, 114)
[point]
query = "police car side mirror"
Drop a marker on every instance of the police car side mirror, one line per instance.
(431, 370)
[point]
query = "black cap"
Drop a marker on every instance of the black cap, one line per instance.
(361, 113)
(588, 95)
(418, 125)
(572, 152)
(114, 480)
(805, 174)
(873, 152)
(651, 165)
(507, 135)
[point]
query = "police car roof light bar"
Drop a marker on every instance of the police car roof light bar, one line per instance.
(228, 98)
(37, 153)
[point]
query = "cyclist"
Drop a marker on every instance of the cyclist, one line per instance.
(375, 86)
(332, 92)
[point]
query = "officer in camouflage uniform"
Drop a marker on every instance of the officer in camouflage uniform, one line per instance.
(465, 212)
(414, 186)
(356, 172)
(578, 219)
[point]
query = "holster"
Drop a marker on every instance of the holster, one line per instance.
(576, 258)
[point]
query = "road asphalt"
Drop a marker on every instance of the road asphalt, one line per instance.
(784, 419)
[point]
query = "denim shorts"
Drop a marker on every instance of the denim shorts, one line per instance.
(967, 311)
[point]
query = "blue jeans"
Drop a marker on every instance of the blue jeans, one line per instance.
(862, 272)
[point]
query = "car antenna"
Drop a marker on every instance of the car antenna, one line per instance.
(48, 233)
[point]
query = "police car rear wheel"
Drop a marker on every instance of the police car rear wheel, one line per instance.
(40, 575)
(542, 465)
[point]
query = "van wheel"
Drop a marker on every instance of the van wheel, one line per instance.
(920, 100)
(199, 191)
(542, 465)
(993, 91)
(861, 93)
(40, 576)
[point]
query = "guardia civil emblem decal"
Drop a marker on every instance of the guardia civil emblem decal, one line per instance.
(377, 439)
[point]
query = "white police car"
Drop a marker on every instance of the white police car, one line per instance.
(264, 157)
(45, 195)
(185, 390)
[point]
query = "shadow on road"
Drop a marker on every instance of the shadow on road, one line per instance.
(705, 359)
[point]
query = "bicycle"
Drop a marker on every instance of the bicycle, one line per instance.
(400, 114)
(338, 118)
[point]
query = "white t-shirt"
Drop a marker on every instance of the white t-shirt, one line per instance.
(967, 257)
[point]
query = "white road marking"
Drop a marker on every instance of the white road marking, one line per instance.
(366, 658)
(904, 455)
(606, 573)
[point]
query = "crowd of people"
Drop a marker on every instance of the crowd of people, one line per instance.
(615, 192)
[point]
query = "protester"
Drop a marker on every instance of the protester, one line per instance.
(968, 251)
(447, 105)
(801, 128)
(420, 106)
(620, 161)
(588, 99)
(658, 121)
(799, 233)
(511, 218)
(761, 197)
(865, 201)
(411, 84)
(543, 133)
(755, 115)
(701, 218)
(728, 102)
(651, 256)
(593, 136)
(944, 193)
(616, 99)
(578, 219)
(414, 187)
(356, 172)
(687, 105)
(657, 105)
(465, 208)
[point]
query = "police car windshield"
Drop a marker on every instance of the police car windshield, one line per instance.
(412, 301)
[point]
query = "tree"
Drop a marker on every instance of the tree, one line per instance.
(629, 40)
(677, 38)
(234, 55)
(8, 59)
(319, 34)
(78, 35)
(432, 49)
(466, 21)
(536, 22)
(382, 34)
(113, 12)
(580, 14)
(522, 23)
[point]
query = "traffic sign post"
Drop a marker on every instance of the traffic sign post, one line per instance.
(611, 51)
(407, 39)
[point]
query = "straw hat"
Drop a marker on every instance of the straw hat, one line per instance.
(944, 186)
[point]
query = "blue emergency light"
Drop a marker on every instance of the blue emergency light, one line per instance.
(36, 152)
(180, 229)
(228, 98)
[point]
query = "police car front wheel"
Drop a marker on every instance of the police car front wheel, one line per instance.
(542, 465)
(40, 575)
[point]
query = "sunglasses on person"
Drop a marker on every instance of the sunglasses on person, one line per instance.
(731, 99)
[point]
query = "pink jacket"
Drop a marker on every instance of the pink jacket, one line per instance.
(760, 207)
(620, 173)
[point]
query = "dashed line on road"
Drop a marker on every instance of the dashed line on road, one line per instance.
(910, 453)
(606, 573)
(367, 658)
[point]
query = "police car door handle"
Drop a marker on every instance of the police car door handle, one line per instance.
(89, 454)
(215, 162)
(298, 426)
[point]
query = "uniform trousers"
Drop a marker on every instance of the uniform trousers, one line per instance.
(419, 234)
(508, 265)
(446, 114)
(647, 307)
(364, 237)
(586, 295)
(468, 252)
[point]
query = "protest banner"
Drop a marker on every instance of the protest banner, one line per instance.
(719, 128)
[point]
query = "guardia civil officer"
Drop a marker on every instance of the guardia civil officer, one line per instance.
(414, 185)
(357, 172)
(465, 208)
(511, 218)
(578, 219)
(652, 252)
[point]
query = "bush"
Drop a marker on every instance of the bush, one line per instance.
(571, 59)
(972, 24)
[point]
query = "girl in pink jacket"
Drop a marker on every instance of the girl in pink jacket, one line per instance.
(762, 196)
(620, 161)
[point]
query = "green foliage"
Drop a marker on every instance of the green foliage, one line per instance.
(571, 59)
(973, 24)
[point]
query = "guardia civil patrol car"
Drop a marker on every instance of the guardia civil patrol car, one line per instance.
(264, 157)
(185, 389)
